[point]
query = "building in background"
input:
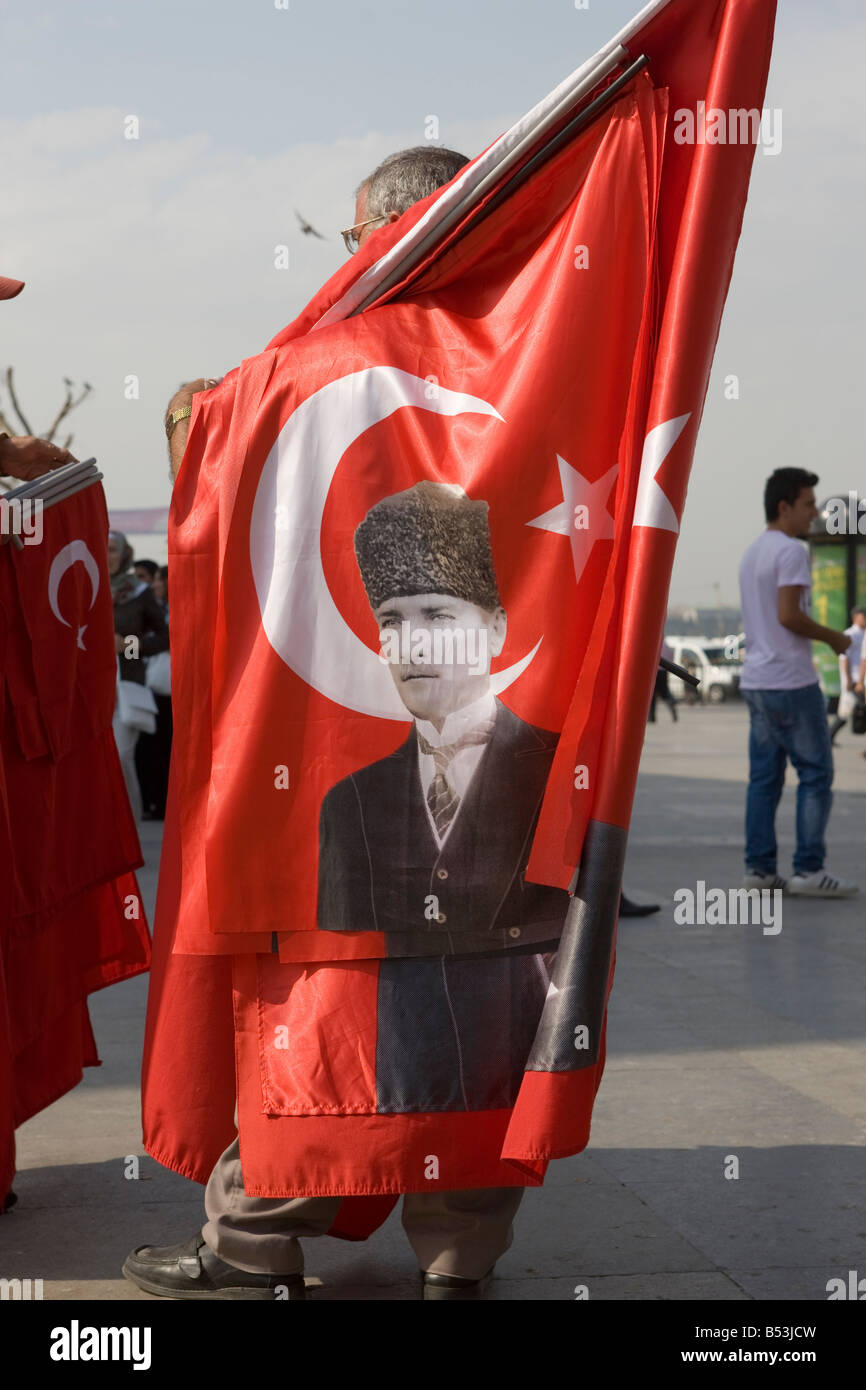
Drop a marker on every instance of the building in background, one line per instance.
(838, 553)
(146, 529)
(686, 620)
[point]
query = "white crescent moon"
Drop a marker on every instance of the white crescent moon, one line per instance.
(64, 560)
(299, 617)
(652, 507)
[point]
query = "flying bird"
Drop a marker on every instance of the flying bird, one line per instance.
(307, 228)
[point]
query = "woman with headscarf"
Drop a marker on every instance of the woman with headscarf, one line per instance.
(138, 616)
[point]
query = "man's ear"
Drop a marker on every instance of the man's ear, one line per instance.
(394, 216)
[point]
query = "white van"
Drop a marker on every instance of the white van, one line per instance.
(708, 658)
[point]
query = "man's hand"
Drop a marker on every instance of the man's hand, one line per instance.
(181, 399)
(27, 457)
(185, 392)
(794, 619)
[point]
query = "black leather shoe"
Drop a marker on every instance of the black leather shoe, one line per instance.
(452, 1286)
(11, 1200)
(627, 908)
(192, 1270)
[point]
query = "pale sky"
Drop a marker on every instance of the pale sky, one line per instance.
(155, 257)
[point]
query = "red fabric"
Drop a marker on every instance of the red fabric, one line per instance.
(189, 1109)
(55, 859)
(579, 363)
(70, 819)
(7, 1102)
(51, 964)
(309, 1155)
(470, 306)
(7, 1082)
(718, 53)
(61, 599)
(71, 917)
(553, 1112)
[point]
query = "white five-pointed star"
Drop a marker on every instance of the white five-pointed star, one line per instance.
(564, 520)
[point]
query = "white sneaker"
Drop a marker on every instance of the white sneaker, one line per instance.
(821, 884)
(751, 879)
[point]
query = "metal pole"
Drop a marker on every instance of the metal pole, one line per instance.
(568, 133)
(443, 225)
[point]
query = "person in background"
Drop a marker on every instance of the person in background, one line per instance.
(146, 570)
(661, 689)
(153, 751)
(852, 667)
(787, 714)
(139, 631)
(159, 584)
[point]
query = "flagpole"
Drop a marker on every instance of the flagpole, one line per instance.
(46, 482)
(440, 228)
(568, 133)
(634, 25)
(53, 487)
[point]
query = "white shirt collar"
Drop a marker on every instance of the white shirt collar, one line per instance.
(459, 722)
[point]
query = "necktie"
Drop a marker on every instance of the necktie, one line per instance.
(441, 796)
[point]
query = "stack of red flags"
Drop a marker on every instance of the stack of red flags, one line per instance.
(71, 916)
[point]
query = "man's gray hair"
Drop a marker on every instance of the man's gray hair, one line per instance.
(408, 176)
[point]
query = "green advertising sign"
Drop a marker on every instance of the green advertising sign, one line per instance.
(829, 607)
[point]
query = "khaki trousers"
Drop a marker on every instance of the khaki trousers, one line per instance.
(462, 1233)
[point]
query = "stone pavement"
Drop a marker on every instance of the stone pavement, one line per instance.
(725, 1043)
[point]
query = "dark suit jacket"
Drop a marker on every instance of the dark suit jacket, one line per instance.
(380, 868)
(142, 617)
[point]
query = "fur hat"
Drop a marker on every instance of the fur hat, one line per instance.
(430, 539)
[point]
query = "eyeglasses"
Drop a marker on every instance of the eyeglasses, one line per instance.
(350, 234)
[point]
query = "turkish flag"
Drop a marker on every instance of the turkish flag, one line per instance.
(71, 917)
(70, 818)
(7, 1083)
(456, 385)
(495, 407)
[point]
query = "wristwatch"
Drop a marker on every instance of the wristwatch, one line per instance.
(175, 418)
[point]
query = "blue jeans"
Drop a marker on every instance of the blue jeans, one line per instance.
(788, 724)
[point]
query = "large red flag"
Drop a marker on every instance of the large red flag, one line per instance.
(71, 916)
(489, 414)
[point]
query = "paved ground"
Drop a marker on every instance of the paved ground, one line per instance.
(724, 1043)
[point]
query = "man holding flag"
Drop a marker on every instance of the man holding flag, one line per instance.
(249, 1246)
(494, 341)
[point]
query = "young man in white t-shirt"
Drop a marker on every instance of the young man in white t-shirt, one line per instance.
(852, 665)
(786, 708)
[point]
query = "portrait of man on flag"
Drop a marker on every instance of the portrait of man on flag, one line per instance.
(433, 841)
